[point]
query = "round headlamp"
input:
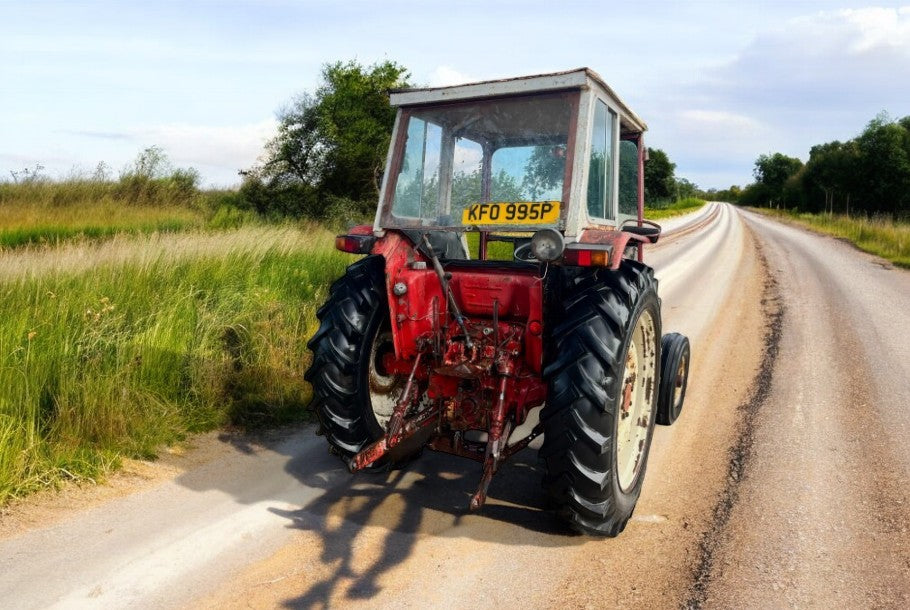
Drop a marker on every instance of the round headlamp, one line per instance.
(547, 245)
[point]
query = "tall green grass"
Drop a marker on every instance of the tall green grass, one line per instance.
(881, 236)
(111, 349)
(41, 211)
(668, 209)
(23, 223)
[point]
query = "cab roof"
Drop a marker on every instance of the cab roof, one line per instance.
(580, 78)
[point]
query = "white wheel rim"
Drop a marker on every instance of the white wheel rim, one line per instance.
(384, 389)
(680, 381)
(636, 401)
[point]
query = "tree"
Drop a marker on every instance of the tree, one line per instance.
(660, 183)
(772, 172)
(830, 173)
(869, 174)
(544, 170)
(685, 188)
(335, 140)
(884, 166)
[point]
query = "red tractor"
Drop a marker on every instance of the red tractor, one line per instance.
(503, 296)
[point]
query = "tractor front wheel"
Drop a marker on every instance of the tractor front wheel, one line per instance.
(674, 376)
(602, 398)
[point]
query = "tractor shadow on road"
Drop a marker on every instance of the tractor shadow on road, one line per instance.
(391, 511)
(367, 524)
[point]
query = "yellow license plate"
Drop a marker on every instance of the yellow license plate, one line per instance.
(511, 213)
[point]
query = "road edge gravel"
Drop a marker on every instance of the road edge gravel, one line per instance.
(741, 452)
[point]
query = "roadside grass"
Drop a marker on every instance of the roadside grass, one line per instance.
(496, 250)
(112, 349)
(24, 223)
(658, 210)
(880, 236)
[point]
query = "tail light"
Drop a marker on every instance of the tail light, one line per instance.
(359, 240)
(587, 255)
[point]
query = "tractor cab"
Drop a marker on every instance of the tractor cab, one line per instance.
(505, 159)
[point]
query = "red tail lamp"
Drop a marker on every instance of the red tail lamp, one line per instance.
(588, 256)
(359, 240)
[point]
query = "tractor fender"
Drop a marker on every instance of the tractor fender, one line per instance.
(616, 240)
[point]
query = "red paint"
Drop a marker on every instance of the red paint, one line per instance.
(518, 292)
(482, 384)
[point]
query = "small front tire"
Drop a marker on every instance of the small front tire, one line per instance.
(674, 367)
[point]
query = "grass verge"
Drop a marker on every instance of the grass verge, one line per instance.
(882, 237)
(113, 349)
(677, 208)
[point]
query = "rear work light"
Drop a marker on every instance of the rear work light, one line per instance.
(589, 256)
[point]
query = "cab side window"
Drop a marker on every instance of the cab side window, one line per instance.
(600, 170)
(628, 178)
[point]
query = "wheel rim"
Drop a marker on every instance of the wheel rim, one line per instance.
(680, 383)
(637, 401)
(384, 389)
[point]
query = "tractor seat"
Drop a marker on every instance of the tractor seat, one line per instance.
(446, 244)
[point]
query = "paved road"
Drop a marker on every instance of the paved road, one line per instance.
(824, 510)
(784, 482)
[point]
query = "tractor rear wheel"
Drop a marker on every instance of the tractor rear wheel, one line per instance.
(353, 396)
(602, 397)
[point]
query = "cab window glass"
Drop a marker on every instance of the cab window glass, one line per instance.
(628, 178)
(600, 170)
(417, 188)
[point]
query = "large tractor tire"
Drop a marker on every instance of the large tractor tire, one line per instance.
(352, 396)
(602, 380)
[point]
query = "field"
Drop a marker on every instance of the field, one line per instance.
(126, 328)
(880, 236)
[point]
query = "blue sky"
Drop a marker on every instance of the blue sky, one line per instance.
(718, 82)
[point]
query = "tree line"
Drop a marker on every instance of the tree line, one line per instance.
(868, 175)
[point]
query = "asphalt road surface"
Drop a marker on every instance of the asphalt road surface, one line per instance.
(784, 484)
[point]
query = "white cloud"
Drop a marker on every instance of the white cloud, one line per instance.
(830, 59)
(221, 150)
(811, 79)
(445, 76)
(468, 156)
(718, 121)
(878, 27)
